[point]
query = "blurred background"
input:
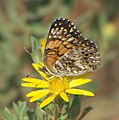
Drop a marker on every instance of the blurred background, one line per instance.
(98, 20)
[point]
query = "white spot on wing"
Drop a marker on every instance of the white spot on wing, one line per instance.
(71, 30)
(60, 23)
(56, 29)
(68, 35)
(53, 33)
(81, 34)
(74, 27)
(52, 30)
(68, 69)
(70, 39)
(49, 36)
(59, 32)
(91, 41)
(72, 23)
(64, 39)
(60, 37)
(54, 36)
(75, 72)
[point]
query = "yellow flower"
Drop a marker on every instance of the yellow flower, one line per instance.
(53, 86)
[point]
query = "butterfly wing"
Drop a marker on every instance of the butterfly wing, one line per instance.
(62, 38)
(67, 52)
(83, 59)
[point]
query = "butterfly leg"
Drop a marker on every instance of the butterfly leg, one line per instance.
(51, 77)
(55, 76)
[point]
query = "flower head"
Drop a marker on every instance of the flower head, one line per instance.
(52, 86)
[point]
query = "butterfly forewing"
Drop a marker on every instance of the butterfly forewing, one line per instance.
(67, 52)
(62, 37)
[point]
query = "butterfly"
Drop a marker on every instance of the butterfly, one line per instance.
(67, 52)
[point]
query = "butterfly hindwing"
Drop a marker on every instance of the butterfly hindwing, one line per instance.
(78, 61)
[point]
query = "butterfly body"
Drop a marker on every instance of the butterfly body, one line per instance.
(67, 52)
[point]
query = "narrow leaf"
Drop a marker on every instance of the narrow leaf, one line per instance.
(86, 110)
(63, 117)
(8, 115)
(75, 106)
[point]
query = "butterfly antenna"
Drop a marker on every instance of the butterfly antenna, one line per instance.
(29, 74)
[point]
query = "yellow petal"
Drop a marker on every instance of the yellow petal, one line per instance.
(27, 79)
(78, 82)
(38, 67)
(28, 85)
(64, 96)
(80, 92)
(33, 82)
(37, 94)
(48, 100)
(42, 64)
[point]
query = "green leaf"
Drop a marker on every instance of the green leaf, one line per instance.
(39, 113)
(20, 109)
(16, 107)
(74, 106)
(36, 52)
(8, 115)
(30, 114)
(34, 43)
(86, 110)
(63, 117)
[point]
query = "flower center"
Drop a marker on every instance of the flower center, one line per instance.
(58, 85)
